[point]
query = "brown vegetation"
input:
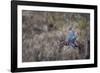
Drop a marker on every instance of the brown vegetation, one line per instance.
(42, 33)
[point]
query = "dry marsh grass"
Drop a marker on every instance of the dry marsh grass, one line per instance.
(43, 31)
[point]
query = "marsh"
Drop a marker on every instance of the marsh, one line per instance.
(43, 33)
